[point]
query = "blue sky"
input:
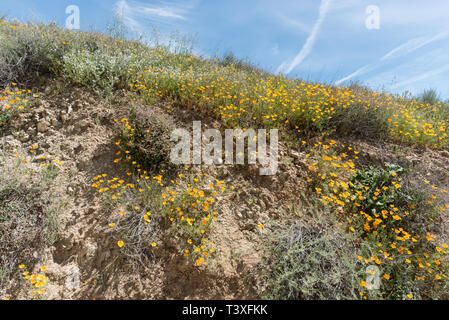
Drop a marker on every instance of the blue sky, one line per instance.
(319, 40)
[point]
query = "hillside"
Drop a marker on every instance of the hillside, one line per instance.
(91, 207)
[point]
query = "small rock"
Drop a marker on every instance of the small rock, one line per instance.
(42, 126)
(54, 122)
(44, 145)
(31, 131)
(72, 281)
(23, 137)
(294, 154)
(64, 117)
(445, 153)
(262, 204)
(9, 143)
(81, 125)
(47, 90)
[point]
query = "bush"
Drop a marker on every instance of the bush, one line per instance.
(430, 97)
(13, 101)
(27, 53)
(310, 260)
(96, 70)
(146, 137)
(136, 222)
(230, 60)
(177, 211)
(398, 221)
(28, 219)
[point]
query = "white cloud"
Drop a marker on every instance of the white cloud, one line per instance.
(136, 13)
(287, 67)
(162, 12)
(126, 12)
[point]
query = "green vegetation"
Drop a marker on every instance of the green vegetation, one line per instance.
(430, 97)
(28, 217)
(310, 257)
(146, 138)
(228, 88)
(357, 217)
(397, 215)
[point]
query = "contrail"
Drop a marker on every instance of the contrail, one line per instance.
(402, 50)
(422, 76)
(362, 70)
(412, 45)
(307, 48)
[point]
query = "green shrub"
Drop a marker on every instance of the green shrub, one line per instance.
(96, 70)
(146, 138)
(398, 222)
(27, 54)
(230, 60)
(358, 120)
(430, 97)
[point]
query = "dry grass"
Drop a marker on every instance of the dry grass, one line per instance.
(28, 215)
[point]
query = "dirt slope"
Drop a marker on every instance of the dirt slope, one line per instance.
(78, 129)
(85, 262)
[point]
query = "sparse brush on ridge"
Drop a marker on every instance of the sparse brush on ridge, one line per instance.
(430, 97)
(230, 88)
